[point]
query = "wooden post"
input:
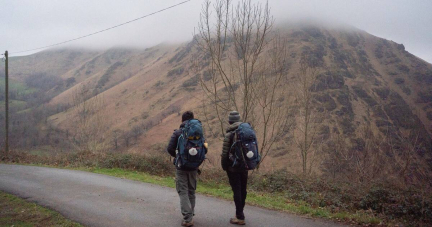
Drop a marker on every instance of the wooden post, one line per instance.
(7, 103)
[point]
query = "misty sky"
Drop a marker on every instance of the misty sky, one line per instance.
(26, 24)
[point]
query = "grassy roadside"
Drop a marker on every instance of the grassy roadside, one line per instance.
(275, 201)
(15, 211)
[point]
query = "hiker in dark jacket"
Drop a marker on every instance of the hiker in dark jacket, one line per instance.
(185, 178)
(237, 176)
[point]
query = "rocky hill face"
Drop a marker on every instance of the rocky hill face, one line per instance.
(139, 94)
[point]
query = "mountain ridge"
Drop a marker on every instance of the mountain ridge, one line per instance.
(364, 80)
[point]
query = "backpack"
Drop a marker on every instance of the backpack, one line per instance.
(190, 152)
(244, 151)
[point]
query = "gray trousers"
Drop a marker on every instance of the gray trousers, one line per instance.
(186, 186)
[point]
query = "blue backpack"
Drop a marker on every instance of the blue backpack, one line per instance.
(244, 151)
(190, 152)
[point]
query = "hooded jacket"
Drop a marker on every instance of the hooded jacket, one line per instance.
(172, 145)
(226, 147)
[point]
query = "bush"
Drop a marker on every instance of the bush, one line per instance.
(399, 80)
(330, 80)
(429, 115)
(405, 89)
(107, 75)
(192, 82)
(424, 96)
(375, 199)
(383, 93)
(182, 53)
(176, 71)
(326, 101)
(70, 81)
(364, 95)
(403, 68)
(158, 84)
(207, 75)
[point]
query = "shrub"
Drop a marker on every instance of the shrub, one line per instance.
(383, 93)
(158, 84)
(405, 89)
(429, 115)
(352, 38)
(364, 95)
(375, 199)
(403, 68)
(400, 112)
(347, 126)
(192, 82)
(379, 52)
(176, 71)
(70, 81)
(425, 76)
(207, 75)
(182, 53)
(326, 101)
(399, 80)
(330, 80)
(107, 75)
(424, 96)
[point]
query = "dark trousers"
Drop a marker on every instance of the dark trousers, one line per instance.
(238, 182)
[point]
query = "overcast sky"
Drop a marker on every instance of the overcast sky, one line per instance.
(26, 24)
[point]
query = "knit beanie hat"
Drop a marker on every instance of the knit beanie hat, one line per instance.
(233, 117)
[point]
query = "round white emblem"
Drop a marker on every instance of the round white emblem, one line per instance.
(193, 151)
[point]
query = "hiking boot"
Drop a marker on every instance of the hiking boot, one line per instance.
(237, 221)
(185, 223)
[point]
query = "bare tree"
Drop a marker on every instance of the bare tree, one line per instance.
(137, 131)
(245, 64)
(116, 137)
(338, 156)
(369, 156)
(308, 117)
(408, 161)
(89, 125)
(126, 136)
(272, 112)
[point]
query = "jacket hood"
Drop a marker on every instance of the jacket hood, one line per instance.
(183, 124)
(233, 126)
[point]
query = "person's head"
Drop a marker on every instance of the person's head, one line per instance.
(233, 117)
(188, 115)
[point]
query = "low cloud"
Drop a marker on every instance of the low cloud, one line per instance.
(28, 24)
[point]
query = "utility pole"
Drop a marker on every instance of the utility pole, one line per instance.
(7, 103)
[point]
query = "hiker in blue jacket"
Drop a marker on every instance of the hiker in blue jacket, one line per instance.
(188, 152)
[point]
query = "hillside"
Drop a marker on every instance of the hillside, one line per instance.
(363, 80)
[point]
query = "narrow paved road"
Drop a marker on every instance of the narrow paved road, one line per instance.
(99, 200)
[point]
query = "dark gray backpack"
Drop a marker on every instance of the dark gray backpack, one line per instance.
(244, 151)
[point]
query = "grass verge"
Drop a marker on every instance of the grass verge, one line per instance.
(15, 211)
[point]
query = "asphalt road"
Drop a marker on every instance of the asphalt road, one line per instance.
(100, 200)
